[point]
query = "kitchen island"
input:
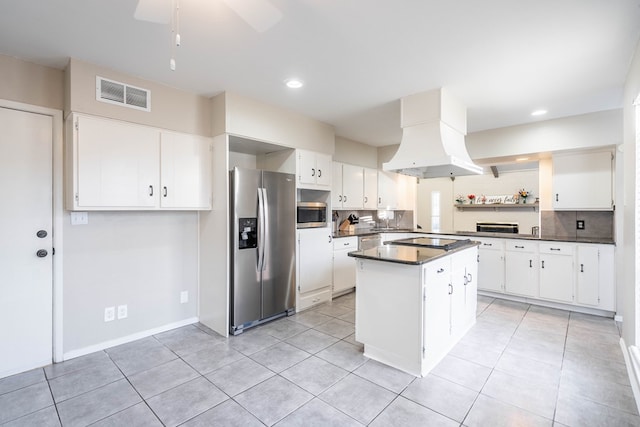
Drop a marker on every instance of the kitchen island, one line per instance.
(416, 298)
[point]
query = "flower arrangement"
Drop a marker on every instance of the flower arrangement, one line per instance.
(471, 198)
(483, 199)
(523, 194)
(460, 199)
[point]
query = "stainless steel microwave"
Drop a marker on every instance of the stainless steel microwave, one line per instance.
(312, 214)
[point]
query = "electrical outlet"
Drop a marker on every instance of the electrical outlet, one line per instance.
(184, 297)
(122, 312)
(79, 218)
(109, 314)
(580, 224)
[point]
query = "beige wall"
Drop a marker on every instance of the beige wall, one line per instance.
(569, 133)
(30, 83)
(171, 108)
(627, 287)
(355, 153)
(252, 119)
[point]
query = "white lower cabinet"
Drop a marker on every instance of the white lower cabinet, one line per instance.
(344, 267)
(410, 316)
(315, 274)
(491, 265)
(521, 268)
(562, 272)
(556, 272)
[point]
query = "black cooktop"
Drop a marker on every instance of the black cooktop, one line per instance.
(430, 242)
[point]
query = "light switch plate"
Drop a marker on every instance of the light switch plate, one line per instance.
(109, 314)
(122, 312)
(184, 297)
(79, 218)
(580, 224)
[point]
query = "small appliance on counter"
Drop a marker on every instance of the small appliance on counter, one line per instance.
(497, 227)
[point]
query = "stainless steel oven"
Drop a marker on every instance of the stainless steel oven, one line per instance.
(312, 214)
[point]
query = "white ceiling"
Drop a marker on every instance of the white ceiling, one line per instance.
(501, 58)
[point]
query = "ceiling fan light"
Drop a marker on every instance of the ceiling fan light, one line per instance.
(294, 83)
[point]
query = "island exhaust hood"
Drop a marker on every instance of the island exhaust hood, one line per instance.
(433, 128)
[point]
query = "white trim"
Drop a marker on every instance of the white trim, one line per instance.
(632, 361)
(128, 338)
(58, 215)
(617, 318)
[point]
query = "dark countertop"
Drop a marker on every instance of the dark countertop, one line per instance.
(369, 232)
(411, 255)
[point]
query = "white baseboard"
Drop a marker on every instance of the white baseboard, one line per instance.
(632, 361)
(126, 339)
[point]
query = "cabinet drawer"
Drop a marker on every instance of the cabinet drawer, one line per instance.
(522, 246)
(350, 243)
(437, 271)
(557, 248)
(490, 244)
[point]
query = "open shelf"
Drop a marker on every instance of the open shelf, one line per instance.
(497, 206)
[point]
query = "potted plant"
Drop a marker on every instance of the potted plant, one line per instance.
(460, 199)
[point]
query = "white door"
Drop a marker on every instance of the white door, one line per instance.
(26, 275)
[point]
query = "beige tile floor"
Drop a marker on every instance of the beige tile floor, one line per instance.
(520, 365)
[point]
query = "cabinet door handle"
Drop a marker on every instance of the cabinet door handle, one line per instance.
(581, 268)
(465, 280)
(556, 197)
(330, 239)
(319, 173)
(542, 263)
(469, 277)
(366, 199)
(313, 172)
(530, 263)
(380, 200)
(519, 247)
(346, 244)
(450, 289)
(488, 244)
(555, 249)
(164, 189)
(440, 270)
(345, 199)
(151, 190)
(339, 197)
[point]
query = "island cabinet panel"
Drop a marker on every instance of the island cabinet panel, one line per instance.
(410, 315)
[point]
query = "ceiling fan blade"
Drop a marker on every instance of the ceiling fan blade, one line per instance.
(158, 11)
(261, 15)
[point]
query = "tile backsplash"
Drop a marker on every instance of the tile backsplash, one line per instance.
(597, 224)
(375, 218)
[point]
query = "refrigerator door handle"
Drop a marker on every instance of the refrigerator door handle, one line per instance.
(261, 226)
(265, 229)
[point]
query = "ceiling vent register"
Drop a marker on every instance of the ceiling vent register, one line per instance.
(122, 94)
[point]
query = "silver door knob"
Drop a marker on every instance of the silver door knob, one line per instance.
(42, 253)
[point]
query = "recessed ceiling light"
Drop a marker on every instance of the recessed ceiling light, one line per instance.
(294, 83)
(522, 159)
(539, 113)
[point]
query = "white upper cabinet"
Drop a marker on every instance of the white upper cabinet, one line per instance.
(116, 165)
(348, 186)
(583, 181)
(185, 171)
(387, 190)
(370, 197)
(113, 165)
(314, 169)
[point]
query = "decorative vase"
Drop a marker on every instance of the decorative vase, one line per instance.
(524, 200)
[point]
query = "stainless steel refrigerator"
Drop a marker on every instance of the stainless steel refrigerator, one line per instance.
(263, 254)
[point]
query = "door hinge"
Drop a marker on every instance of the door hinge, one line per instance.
(424, 294)
(298, 287)
(77, 197)
(77, 126)
(424, 352)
